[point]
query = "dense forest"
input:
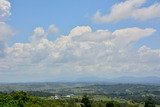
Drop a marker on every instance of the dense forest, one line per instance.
(25, 99)
(97, 91)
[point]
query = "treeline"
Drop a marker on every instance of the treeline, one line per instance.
(136, 97)
(24, 99)
(39, 93)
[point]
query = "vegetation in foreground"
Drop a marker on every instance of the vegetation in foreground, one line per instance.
(23, 99)
(98, 91)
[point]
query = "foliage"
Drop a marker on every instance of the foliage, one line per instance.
(110, 104)
(85, 101)
(134, 92)
(24, 99)
(149, 102)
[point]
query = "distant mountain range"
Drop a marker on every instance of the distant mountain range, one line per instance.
(93, 79)
(140, 80)
(123, 79)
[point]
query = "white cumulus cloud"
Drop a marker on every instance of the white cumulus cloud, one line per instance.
(52, 29)
(38, 34)
(5, 7)
(99, 53)
(129, 9)
(129, 35)
(79, 30)
(5, 31)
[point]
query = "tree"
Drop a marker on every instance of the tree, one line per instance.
(110, 104)
(20, 97)
(71, 103)
(86, 102)
(149, 102)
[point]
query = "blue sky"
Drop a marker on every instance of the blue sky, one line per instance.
(56, 34)
(28, 14)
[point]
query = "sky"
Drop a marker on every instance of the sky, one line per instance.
(68, 40)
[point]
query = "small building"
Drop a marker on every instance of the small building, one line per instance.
(56, 97)
(68, 96)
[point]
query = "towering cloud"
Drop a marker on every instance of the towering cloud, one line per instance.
(83, 51)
